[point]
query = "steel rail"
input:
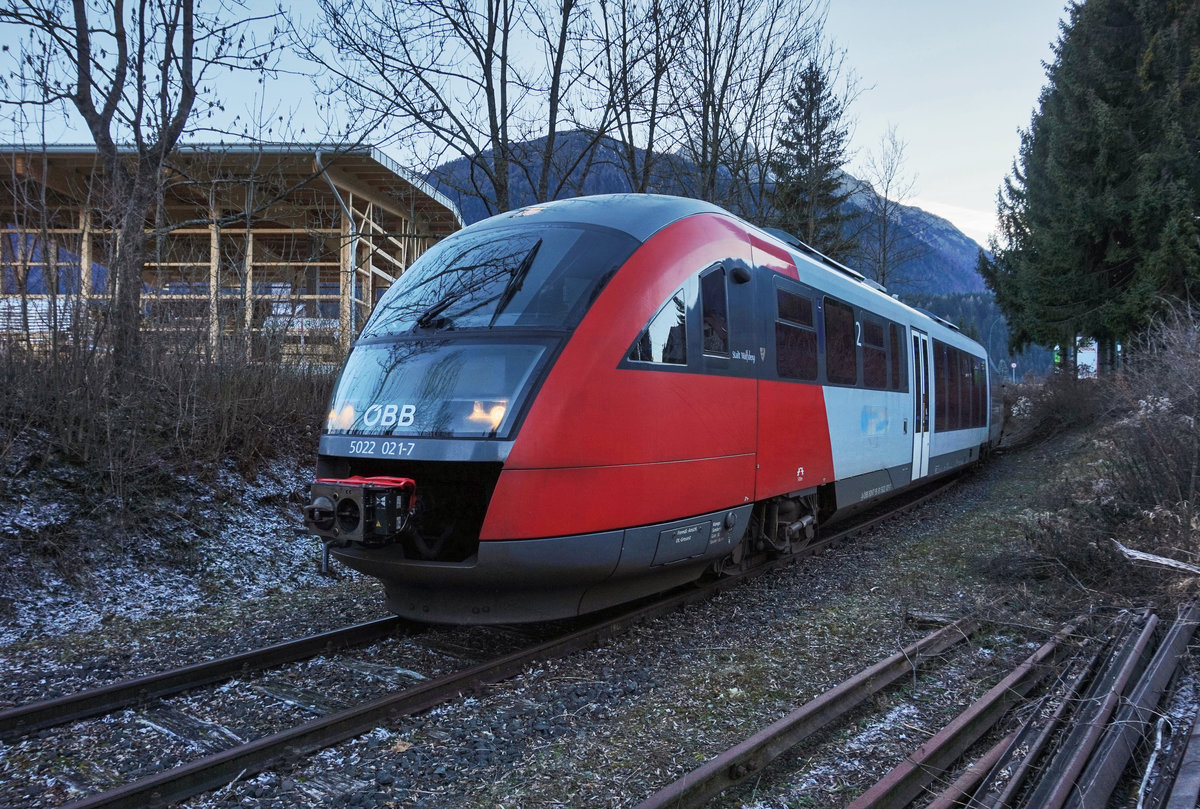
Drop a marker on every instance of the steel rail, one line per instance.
(909, 778)
(959, 793)
(1185, 792)
(752, 755)
(1127, 728)
(218, 769)
(1033, 739)
(23, 719)
(1059, 778)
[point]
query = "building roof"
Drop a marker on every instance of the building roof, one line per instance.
(361, 170)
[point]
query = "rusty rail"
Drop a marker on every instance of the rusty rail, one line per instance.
(1060, 776)
(753, 754)
(1034, 737)
(1126, 730)
(908, 779)
(958, 794)
(218, 769)
(1185, 792)
(22, 719)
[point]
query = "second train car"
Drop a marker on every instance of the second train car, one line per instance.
(583, 402)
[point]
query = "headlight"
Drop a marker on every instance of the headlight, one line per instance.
(489, 413)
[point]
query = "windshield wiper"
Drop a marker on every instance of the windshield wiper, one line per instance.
(515, 281)
(428, 317)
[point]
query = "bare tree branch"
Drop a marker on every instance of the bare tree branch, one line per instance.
(886, 248)
(133, 79)
(1155, 559)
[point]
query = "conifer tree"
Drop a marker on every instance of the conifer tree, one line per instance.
(1098, 218)
(810, 187)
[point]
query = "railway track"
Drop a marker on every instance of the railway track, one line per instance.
(1070, 751)
(335, 725)
(18, 721)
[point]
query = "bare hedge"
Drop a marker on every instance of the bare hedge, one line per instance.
(1141, 486)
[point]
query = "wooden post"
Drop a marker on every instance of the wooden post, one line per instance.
(368, 291)
(410, 228)
(346, 277)
(50, 279)
(24, 257)
(248, 293)
(214, 282)
(85, 257)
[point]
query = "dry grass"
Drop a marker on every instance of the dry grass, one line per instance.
(1140, 479)
(124, 437)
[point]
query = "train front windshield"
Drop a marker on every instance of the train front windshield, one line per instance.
(434, 388)
(453, 346)
(526, 276)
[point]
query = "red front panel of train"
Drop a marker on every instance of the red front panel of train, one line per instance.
(600, 440)
(531, 503)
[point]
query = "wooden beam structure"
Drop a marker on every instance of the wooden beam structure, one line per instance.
(249, 245)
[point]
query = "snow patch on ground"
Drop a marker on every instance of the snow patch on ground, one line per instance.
(233, 539)
(880, 733)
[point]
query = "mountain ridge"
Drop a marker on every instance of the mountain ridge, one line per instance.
(946, 263)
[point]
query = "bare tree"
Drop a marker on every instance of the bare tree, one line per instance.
(555, 27)
(736, 67)
(463, 79)
(495, 84)
(135, 76)
(641, 43)
(886, 245)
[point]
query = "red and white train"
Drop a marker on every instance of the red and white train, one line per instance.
(583, 402)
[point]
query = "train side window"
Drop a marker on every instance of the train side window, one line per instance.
(795, 352)
(953, 416)
(794, 308)
(961, 389)
(875, 368)
(981, 399)
(795, 337)
(965, 416)
(841, 351)
(941, 417)
(714, 306)
(664, 340)
(974, 383)
(899, 366)
(953, 380)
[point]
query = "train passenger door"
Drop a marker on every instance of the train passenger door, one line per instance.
(921, 426)
(727, 339)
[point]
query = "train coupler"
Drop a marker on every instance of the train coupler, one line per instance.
(368, 510)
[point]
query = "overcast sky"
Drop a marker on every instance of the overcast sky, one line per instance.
(957, 78)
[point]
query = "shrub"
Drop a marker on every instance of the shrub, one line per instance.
(1037, 410)
(1143, 488)
(123, 437)
(1152, 472)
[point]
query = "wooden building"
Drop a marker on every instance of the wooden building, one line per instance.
(282, 247)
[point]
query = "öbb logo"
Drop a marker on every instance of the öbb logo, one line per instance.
(390, 415)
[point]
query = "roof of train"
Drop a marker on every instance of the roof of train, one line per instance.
(643, 215)
(639, 215)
